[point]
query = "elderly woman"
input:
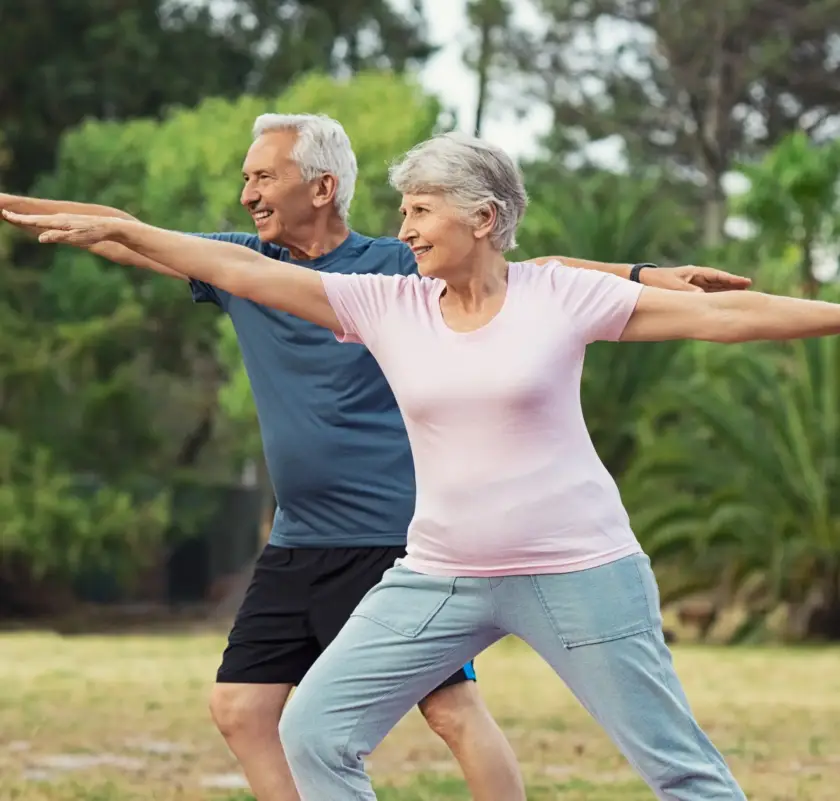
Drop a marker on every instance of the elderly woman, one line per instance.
(518, 527)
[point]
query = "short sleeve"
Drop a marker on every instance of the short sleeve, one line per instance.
(202, 292)
(359, 303)
(600, 304)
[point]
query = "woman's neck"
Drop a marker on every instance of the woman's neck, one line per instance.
(476, 283)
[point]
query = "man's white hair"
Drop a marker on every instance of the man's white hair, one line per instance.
(322, 146)
(472, 174)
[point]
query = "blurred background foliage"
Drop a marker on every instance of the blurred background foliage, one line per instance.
(124, 412)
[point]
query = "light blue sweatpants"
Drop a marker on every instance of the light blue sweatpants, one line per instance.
(600, 629)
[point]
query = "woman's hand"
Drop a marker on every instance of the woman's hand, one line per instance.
(81, 230)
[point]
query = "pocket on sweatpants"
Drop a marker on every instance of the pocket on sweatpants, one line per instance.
(600, 604)
(404, 601)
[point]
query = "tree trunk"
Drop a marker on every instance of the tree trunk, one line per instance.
(485, 56)
(714, 211)
(713, 132)
(810, 285)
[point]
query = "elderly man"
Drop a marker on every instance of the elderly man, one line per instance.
(337, 454)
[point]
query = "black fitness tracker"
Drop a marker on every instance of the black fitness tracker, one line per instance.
(637, 268)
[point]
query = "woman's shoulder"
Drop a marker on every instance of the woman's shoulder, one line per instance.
(542, 273)
(537, 269)
(407, 288)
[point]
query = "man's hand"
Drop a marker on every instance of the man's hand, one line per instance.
(692, 279)
(81, 230)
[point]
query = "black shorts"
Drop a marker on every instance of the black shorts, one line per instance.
(297, 602)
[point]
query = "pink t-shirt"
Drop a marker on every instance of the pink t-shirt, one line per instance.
(508, 481)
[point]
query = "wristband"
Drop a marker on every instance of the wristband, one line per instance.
(637, 268)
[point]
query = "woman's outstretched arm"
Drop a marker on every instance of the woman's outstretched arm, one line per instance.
(728, 317)
(238, 270)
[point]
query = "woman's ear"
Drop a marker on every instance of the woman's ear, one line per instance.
(487, 216)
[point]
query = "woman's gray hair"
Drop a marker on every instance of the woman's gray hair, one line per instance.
(472, 174)
(322, 146)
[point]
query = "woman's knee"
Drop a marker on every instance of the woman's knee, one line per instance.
(248, 709)
(306, 735)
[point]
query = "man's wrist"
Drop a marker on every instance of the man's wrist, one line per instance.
(636, 271)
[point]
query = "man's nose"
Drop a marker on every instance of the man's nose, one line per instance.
(249, 195)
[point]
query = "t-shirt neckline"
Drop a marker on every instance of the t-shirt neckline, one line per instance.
(328, 258)
(481, 330)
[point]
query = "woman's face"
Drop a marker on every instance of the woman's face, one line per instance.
(437, 234)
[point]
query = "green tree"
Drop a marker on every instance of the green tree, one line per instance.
(65, 61)
(744, 484)
(491, 21)
(292, 37)
(690, 86)
(794, 201)
(109, 382)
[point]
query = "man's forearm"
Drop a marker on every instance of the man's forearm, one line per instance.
(621, 270)
(107, 250)
(37, 205)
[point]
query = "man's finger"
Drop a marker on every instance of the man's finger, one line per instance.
(45, 221)
(729, 279)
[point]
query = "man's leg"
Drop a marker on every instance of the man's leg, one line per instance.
(455, 711)
(248, 717)
(269, 651)
(406, 637)
(601, 630)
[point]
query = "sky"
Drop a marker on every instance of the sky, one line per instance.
(449, 78)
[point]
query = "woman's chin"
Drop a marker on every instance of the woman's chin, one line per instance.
(429, 270)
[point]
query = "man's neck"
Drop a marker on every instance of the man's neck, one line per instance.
(317, 241)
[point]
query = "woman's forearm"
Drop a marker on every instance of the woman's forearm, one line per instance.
(222, 264)
(233, 268)
(750, 316)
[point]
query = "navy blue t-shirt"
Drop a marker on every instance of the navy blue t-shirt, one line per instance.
(333, 437)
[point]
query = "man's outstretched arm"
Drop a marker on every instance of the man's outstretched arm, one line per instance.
(113, 251)
(681, 279)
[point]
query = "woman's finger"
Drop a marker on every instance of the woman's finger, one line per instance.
(53, 236)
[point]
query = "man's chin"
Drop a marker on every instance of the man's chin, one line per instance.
(269, 234)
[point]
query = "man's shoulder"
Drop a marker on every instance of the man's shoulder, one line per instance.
(245, 239)
(385, 255)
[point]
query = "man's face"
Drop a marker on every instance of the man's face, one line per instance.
(275, 194)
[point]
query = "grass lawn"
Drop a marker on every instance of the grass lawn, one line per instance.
(125, 719)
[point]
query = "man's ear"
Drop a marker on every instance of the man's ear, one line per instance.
(325, 189)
